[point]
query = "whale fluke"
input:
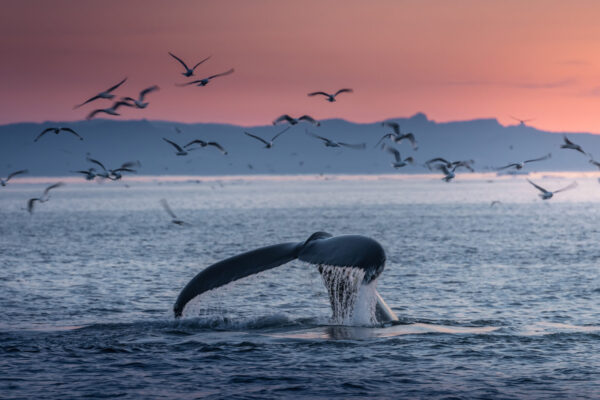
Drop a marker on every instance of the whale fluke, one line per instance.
(321, 248)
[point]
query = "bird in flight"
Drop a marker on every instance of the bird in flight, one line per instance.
(520, 165)
(112, 110)
(180, 150)
(56, 131)
(545, 194)
(454, 164)
(205, 81)
(3, 182)
(90, 173)
(188, 71)
(522, 121)
(139, 102)
(399, 163)
(294, 121)
(107, 94)
(330, 97)
(44, 198)
(202, 143)
(331, 143)
(449, 173)
(570, 145)
(174, 218)
(268, 144)
(397, 136)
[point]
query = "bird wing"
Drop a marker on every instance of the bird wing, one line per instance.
(173, 144)
(388, 135)
(123, 170)
(508, 166)
(541, 189)
(394, 125)
(567, 141)
(359, 146)
(116, 86)
(93, 113)
(165, 205)
(180, 60)
(189, 83)
(96, 162)
(218, 146)
(410, 137)
(257, 138)
(310, 119)
(547, 156)
(221, 74)
(87, 101)
(317, 136)
(148, 90)
(284, 117)
(54, 186)
(443, 168)
(317, 93)
(280, 133)
(438, 159)
(409, 160)
(30, 204)
(571, 186)
(71, 131)
(395, 152)
(201, 142)
(130, 164)
(22, 171)
(43, 133)
(121, 103)
(343, 91)
(206, 59)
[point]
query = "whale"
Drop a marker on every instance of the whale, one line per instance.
(331, 254)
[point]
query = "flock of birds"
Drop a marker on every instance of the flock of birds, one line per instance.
(386, 142)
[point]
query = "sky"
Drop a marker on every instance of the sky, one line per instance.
(454, 60)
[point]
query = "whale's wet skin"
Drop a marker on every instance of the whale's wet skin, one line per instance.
(495, 302)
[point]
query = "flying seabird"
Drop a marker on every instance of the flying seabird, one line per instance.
(3, 182)
(331, 97)
(449, 173)
(294, 121)
(570, 145)
(204, 82)
(399, 163)
(188, 71)
(180, 150)
(522, 121)
(545, 195)
(268, 145)
(139, 103)
(174, 218)
(116, 174)
(45, 197)
(56, 130)
(112, 110)
(520, 165)
(448, 164)
(103, 95)
(331, 143)
(202, 143)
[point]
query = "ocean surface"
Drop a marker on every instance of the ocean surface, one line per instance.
(497, 301)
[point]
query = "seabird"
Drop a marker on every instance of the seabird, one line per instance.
(139, 103)
(294, 121)
(180, 150)
(331, 97)
(545, 195)
(3, 182)
(399, 162)
(188, 71)
(204, 82)
(449, 173)
(103, 95)
(399, 138)
(331, 143)
(520, 165)
(202, 143)
(174, 218)
(116, 174)
(521, 121)
(268, 145)
(45, 196)
(56, 130)
(112, 110)
(448, 164)
(570, 145)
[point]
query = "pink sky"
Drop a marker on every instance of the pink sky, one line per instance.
(451, 60)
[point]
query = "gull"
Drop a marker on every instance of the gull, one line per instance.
(112, 110)
(139, 103)
(449, 173)
(103, 95)
(188, 71)
(268, 145)
(454, 164)
(331, 97)
(520, 165)
(45, 197)
(170, 212)
(331, 143)
(56, 131)
(399, 138)
(202, 143)
(180, 150)
(545, 195)
(294, 121)
(399, 162)
(3, 182)
(90, 174)
(116, 174)
(522, 121)
(570, 145)
(204, 81)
